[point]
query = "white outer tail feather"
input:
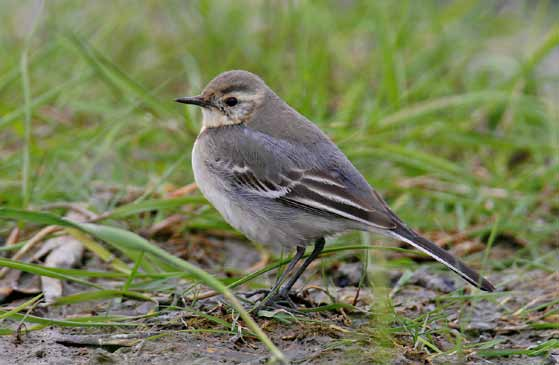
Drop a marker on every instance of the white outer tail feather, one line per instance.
(481, 284)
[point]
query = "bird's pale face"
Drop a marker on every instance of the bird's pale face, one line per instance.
(230, 108)
(229, 100)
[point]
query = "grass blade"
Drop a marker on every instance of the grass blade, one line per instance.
(122, 239)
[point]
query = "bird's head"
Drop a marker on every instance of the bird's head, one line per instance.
(230, 98)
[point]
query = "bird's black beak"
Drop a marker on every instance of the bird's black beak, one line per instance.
(194, 100)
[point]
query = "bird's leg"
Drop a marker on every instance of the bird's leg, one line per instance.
(298, 256)
(270, 293)
(318, 247)
(277, 299)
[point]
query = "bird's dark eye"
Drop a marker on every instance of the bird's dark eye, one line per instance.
(231, 101)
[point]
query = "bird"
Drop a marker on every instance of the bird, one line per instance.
(280, 180)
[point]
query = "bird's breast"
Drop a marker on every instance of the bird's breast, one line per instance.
(217, 190)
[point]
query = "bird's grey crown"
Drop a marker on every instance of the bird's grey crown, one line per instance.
(235, 80)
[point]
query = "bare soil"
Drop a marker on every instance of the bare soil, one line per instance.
(327, 337)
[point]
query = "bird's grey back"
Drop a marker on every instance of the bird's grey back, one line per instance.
(279, 120)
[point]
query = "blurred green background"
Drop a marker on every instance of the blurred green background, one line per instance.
(449, 108)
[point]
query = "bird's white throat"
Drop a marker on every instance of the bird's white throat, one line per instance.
(213, 118)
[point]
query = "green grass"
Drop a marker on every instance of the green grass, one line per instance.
(450, 109)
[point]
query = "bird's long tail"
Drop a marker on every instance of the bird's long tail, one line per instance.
(407, 235)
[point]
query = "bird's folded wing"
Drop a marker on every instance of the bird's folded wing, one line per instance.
(315, 191)
(319, 193)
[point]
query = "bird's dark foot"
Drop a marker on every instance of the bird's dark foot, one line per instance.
(259, 294)
(277, 303)
(265, 301)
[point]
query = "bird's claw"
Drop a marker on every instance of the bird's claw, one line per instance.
(277, 301)
(263, 293)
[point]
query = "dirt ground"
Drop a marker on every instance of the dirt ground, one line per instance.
(320, 342)
(329, 337)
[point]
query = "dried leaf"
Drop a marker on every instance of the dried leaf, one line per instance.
(66, 252)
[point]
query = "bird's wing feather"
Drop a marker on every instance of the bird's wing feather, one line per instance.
(294, 175)
(316, 191)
